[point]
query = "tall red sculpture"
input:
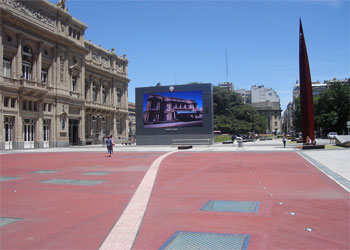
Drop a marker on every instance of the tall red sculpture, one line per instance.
(306, 100)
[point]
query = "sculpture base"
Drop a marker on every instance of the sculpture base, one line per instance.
(313, 147)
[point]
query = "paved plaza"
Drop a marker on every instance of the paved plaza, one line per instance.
(259, 196)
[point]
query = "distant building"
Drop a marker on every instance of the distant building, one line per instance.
(267, 103)
(287, 121)
(335, 80)
(317, 89)
(132, 119)
(227, 85)
(246, 95)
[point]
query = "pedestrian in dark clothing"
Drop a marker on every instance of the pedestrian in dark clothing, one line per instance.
(109, 146)
(284, 140)
(233, 138)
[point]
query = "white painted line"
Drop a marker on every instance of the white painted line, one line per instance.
(123, 233)
(306, 157)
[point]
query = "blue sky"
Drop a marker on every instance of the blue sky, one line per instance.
(176, 42)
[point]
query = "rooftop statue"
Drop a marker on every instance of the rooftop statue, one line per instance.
(62, 4)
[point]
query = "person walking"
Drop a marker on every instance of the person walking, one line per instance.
(233, 138)
(109, 146)
(284, 140)
(112, 140)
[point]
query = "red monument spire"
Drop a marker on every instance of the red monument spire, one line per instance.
(306, 100)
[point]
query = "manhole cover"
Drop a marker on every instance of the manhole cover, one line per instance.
(207, 241)
(72, 182)
(96, 173)
(44, 172)
(231, 206)
(6, 178)
(8, 220)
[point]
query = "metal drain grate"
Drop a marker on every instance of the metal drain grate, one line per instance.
(6, 178)
(231, 206)
(96, 173)
(44, 172)
(72, 182)
(207, 241)
(8, 220)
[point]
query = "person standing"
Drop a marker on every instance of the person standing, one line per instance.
(112, 140)
(284, 140)
(233, 138)
(109, 146)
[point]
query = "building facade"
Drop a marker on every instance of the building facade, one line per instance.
(227, 85)
(132, 120)
(57, 89)
(287, 121)
(267, 103)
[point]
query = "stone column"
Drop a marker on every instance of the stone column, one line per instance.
(100, 91)
(114, 125)
(19, 131)
(53, 68)
(58, 68)
(110, 85)
(113, 86)
(91, 86)
(126, 126)
(1, 53)
(40, 131)
(82, 127)
(19, 57)
(82, 80)
(38, 63)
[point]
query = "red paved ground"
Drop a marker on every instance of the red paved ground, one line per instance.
(80, 217)
(66, 216)
(186, 182)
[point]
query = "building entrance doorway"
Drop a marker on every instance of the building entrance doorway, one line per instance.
(73, 132)
(46, 127)
(8, 130)
(28, 133)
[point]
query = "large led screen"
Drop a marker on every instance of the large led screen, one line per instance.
(173, 109)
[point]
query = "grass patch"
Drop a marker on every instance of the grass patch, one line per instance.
(221, 138)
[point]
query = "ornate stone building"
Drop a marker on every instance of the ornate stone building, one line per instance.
(56, 88)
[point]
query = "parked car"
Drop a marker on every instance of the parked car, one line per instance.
(331, 135)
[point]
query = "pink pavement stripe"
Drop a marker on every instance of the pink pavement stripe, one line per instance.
(124, 231)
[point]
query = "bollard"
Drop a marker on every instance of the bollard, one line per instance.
(240, 143)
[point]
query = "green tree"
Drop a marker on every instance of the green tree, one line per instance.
(332, 109)
(231, 115)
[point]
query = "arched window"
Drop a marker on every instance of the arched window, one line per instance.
(27, 57)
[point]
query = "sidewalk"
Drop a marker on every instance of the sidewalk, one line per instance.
(158, 197)
(333, 162)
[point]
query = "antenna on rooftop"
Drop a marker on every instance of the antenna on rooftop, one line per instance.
(226, 65)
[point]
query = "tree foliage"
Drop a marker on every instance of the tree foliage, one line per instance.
(231, 115)
(331, 110)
